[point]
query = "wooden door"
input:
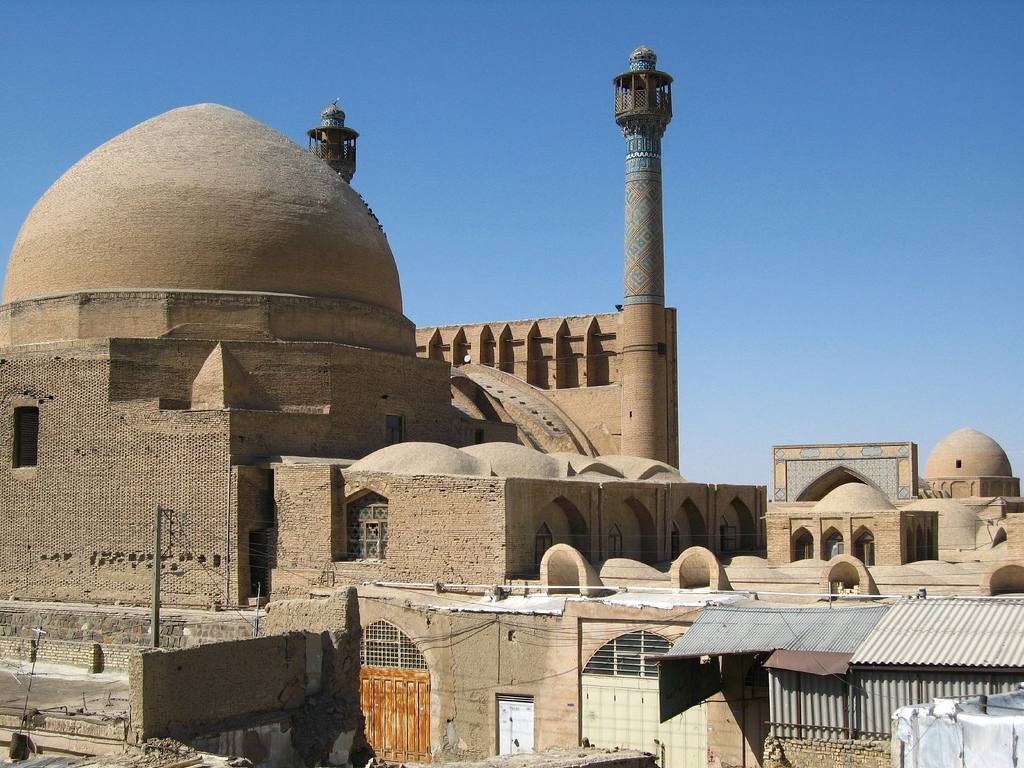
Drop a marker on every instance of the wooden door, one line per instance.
(396, 704)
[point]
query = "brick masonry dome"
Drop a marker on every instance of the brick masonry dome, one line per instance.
(203, 198)
(852, 498)
(968, 453)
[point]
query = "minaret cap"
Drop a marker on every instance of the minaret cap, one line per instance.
(643, 59)
(332, 116)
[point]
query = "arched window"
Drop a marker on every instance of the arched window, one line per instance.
(631, 655)
(368, 527)
(675, 541)
(542, 542)
(833, 544)
(385, 645)
(803, 545)
(614, 541)
(864, 548)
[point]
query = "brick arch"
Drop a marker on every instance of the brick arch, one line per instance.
(485, 352)
(564, 569)
(850, 572)
(698, 568)
(801, 543)
(1003, 578)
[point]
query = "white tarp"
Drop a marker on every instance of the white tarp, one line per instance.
(962, 733)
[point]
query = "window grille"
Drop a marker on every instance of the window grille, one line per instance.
(368, 527)
(629, 655)
(385, 645)
(26, 437)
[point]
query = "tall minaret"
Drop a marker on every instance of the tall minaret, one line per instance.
(333, 143)
(643, 109)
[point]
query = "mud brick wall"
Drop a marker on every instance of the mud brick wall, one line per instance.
(439, 527)
(175, 691)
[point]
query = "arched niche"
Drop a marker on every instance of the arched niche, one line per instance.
(506, 351)
(460, 348)
(485, 355)
(832, 544)
(564, 570)
(846, 574)
(597, 357)
(698, 568)
(693, 530)
(801, 545)
(864, 545)
(636, 526)
(567, 368)
(1003, 579)
(435, 347)
(566, 524)
(737, 530)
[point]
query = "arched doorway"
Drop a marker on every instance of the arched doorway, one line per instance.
(394, 690)
(803, 545)
(621, 704)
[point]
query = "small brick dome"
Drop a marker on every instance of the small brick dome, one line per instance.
(968, 453)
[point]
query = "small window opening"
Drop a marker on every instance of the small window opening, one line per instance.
(542, 543)
(615, 542)
(959, 464)
(394, 429)
(26, 437)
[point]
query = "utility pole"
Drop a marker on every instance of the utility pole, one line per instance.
(155, 624)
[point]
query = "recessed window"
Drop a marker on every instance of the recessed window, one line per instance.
(368, 528)
(394, 429)
(959, 464)
(26, 437)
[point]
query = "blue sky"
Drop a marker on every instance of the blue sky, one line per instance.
(844, 182)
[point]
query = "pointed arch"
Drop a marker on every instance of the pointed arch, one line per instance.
(832, 544)
(864, 545)
(435, 347)
(597, 373)
(460, 348)
(690, 521)
(831, 479)
(737, 531)
(506, 351)
(536, 362)
(801, 545)
(567, 369)
(487, 344)
(385, 645)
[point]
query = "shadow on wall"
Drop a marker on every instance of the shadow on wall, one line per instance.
(287, 700)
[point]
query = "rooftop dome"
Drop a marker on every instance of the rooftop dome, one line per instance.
(203, 198)
(854, 497)
(638, 468)
(422, 459)
(515, 460)
(968, 453)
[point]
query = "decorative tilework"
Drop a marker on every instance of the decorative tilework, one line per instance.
(810, 453)
(871, 451)
(882, 472)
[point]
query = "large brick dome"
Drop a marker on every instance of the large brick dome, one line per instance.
(968, 453)
(203, 198)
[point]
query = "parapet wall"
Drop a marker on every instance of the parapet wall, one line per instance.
(281, 701)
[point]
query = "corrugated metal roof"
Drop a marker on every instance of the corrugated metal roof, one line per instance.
(754, 627)
(957, 632)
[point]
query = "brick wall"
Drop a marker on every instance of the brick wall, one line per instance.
(79, 525)
(124, 626)
(822, 753)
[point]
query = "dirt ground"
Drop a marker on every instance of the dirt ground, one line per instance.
(59, 689)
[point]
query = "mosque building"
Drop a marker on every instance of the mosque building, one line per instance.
(202, 328)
